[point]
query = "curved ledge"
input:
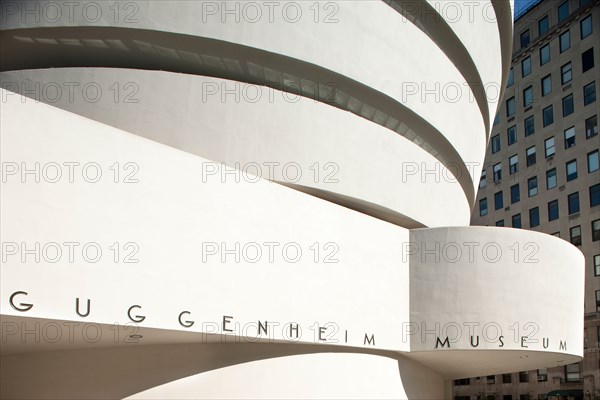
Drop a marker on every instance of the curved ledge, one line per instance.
(229, 61)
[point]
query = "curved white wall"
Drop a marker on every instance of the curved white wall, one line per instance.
(208, 282)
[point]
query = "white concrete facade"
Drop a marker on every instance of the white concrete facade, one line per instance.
(201, 203)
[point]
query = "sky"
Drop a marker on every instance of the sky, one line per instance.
(522, 5)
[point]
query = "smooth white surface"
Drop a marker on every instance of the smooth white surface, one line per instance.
(255, 124)
(390, 55)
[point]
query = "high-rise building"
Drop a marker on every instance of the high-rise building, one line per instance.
(232, 199)
(542, 173)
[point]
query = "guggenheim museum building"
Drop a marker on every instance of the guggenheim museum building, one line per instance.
(271, 199)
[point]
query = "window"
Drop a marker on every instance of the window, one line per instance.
(532, 186)
(498, 200)
(525, 396)
(497, 119)
(510, 107)
(598, 308)
(587, 60)
(591, 127)
(507, 378)
(549, 147)
(525, 39)
(483, 179)
(523, 376)
(546, 85)
(575, 235)
(583, 2)
(595, 195)
(544, 54)
(553, 210)
(483, 208)
(529, 125)
(563, 11)
(500, 223)
(572, 373)
(586, 26)
(557, 234)
(548, 115)
(462, 382)
(571, 170)
(542, 375)
(528, 96)
(589, 93)
(596, 230)
(530, 155)
(495, 144)
(551, 178)
(566, 73)
(543, 25)
(511, 77)
(573, 200)
(565, 41)
(497, 168)
(534, 217)
(515, 194)
(526, 66)
(597, 265)
(593, 161)
(569, 137)
(511, 133)
(513, 164)
(567, 105)
(516, 221)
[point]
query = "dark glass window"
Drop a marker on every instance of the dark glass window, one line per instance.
(595, 195)
(497, 168)
(516, 221)
(497, 119)
(551, 178)
(591, 127)
(495, 144)
(525, 39)
(544, 54)
(546, 85)
(596, 230)
(587, 60)
(563, 11)
(571, 170)
(575, 235)
(528, 96)
(548, 115)
(526, 66)
(573, 200)
(565, 41)
(500, 223)
(483, 208)
(566, 73)
(553, 210)
(511, 77)
(543, 25)
(511, 133)
(510, 107)
(532, 186)
(513, 164)
(529, 125)
(586, 26)
(567, 105)
(534, 217)
(589, 93)
(515, 194)
(498, 200)
(530, 155)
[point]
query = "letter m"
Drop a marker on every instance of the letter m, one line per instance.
(438, 342)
